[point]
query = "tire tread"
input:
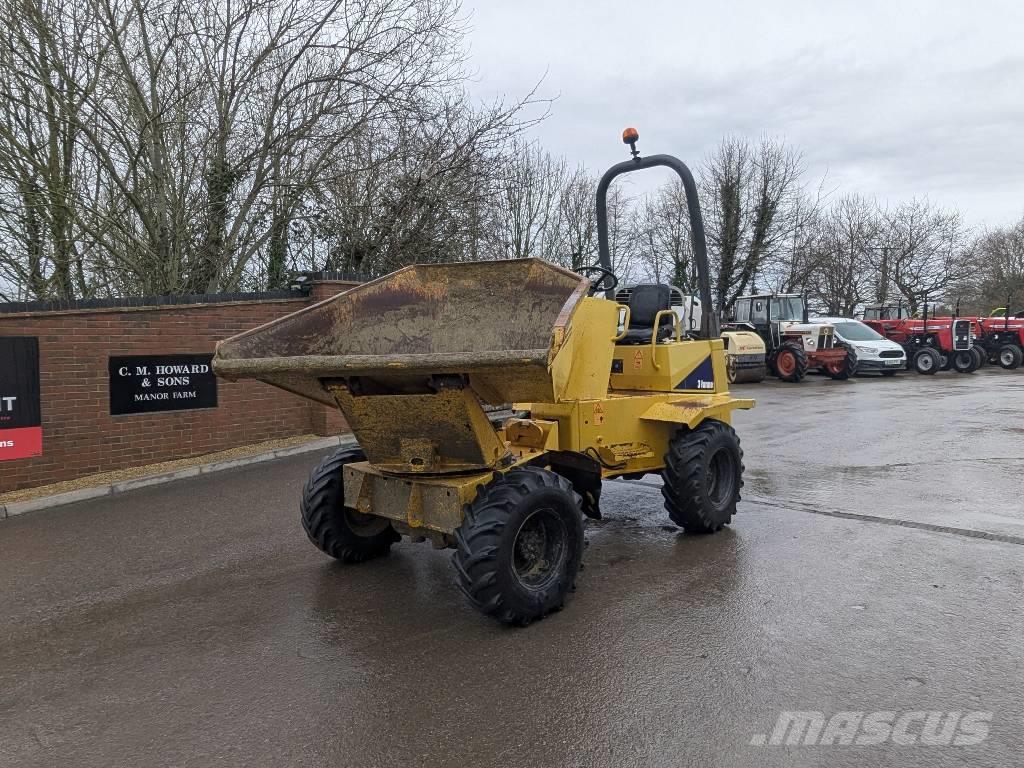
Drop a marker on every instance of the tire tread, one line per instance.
(478, 542)
(683, 475)
(320, 511)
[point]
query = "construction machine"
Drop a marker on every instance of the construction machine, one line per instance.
(746, 356)
(600, 390)
(794, 343)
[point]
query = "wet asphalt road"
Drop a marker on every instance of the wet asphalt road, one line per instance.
(192, 624)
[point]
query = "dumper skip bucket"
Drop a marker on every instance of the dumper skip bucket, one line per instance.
(410, 357)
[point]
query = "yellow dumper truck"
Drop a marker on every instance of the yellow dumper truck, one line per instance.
(600, 390)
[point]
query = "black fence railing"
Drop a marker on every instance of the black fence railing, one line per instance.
(352, 277)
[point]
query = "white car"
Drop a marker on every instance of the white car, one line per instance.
(874, 351)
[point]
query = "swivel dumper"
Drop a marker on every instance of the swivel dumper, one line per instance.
(600, 389)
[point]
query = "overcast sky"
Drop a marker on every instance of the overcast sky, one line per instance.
(890, 99)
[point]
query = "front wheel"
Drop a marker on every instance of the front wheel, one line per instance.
(1010, 356)
(703, 476)
(520, 544)
(337, 530)
(926, 361)
(965, 361)
(980, 356)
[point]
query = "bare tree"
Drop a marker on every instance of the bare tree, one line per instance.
(841, 273)
(528, 211)
(664, 248)
(749, 194)
(154, 146)
(420, 189)
(1000, 270)
(578, 216)
(622, 234)
(923, 249)
(51, 58)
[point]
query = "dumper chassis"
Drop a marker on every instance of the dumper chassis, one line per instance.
(600, 390)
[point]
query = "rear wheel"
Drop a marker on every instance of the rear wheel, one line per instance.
(926, 361)
(703, 476)
(335, 529)
(980, 355)
(965, 361)
(845, 368)
(790, 362)
(1010, 356)
(520, 544)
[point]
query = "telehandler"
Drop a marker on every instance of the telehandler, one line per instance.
(601, 390)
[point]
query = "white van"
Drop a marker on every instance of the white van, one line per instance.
(874, 351)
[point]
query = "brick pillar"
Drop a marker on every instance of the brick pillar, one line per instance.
(325, 420)
(324, 289)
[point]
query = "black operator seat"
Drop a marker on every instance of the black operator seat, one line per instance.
(645, 302)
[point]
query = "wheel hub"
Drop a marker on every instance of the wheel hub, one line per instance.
(530, 545)
(364, 525)
(539, 548)
(719, 478)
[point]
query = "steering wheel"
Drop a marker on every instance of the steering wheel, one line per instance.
(606, 279)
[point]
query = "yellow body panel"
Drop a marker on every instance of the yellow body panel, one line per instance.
(663, 367)
(630, 430)
(580, 367)
(428, 503)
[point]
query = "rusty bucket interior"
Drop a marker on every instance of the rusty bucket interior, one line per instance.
(410, 357)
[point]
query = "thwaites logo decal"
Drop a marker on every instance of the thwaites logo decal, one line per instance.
(21, 431)
(701, 377)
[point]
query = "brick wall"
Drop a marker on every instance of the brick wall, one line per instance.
(80, 437)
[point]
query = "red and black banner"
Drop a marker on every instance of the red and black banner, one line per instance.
(21, 431)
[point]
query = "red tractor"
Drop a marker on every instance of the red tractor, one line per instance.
(932, 344)
(1002, 339)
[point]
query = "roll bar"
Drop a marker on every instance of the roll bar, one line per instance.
(709, 320)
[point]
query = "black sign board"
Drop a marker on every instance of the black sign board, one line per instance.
(21, 432)
(153, 383)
